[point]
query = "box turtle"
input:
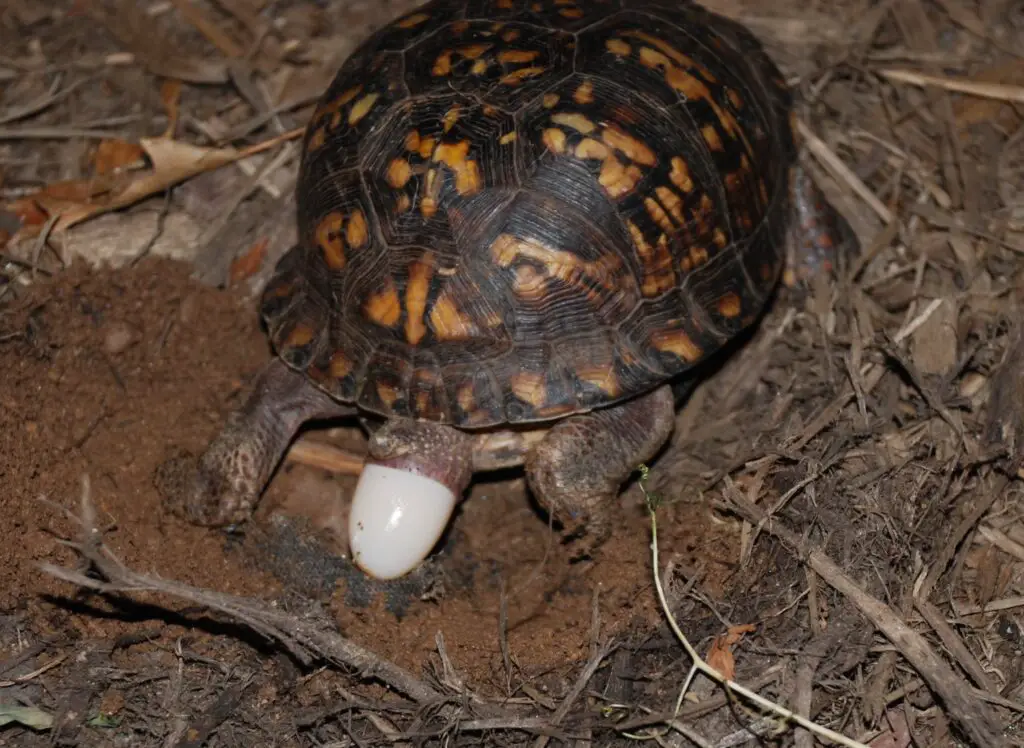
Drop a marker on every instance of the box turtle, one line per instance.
(519, 222)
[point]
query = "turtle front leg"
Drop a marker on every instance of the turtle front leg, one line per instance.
(223, 486)
(576, 471)
(411, 482)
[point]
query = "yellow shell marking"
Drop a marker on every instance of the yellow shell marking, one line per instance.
(473, 51)
(680, 174)
(584, 93)
(450, 118)
(399, 173)
(730, 306)
(431, 191)
(710, 133)
(442, 65)
(465, 398)
(448, 322)
(576, 121)
(530, 388)
(384, 307)
(340, 366)
(529, 283)
(328, 238)
(672, 202)
(698, 256)
(509, 137)
(467, 172)
(659, 275)
(665, 48)
(659, 215)
(427, 147)
(564, 266)
(318, 138)
(633, 148)
(549, 100)
(387, 393)
(300, 335)
(416, 298)
(618, 179)
(356, 232)
(333, 108)
(661, 55)
(601, 376)
(554, 139)
(348, 95)
(518, 76)
(590, 148)
(677, 343)
(413, 21)
(361, 108)
(618, 47)
(511, 56)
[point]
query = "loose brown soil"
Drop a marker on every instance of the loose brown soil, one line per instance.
(109, 372)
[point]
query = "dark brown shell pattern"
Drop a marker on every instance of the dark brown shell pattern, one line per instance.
(515, 210)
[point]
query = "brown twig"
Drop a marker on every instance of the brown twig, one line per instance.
(973, 716)
(304, 637)
(318, 454)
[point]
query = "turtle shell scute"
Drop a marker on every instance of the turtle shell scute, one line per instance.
(511, 211)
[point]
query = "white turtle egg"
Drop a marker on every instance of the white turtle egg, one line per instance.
(396, 519)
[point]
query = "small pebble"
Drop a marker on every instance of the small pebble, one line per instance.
(188, 309)
(120, 337)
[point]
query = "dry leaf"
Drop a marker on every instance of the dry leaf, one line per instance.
(720, 655)
(898, 734)
(172, 161)
(248, 264)
(115, 155)
(28, 212)
(170, 95)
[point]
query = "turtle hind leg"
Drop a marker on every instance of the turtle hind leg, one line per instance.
(224, 484)
(819, 239)
(576, 471)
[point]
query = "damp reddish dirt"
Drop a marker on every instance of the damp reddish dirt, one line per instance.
(107, 373)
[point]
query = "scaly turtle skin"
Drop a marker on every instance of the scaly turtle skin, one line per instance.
(519, 220)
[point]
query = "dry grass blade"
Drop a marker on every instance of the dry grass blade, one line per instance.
(702, 666)
(208, 28)
(973, 716)
(999, 91)
(301, 636)
(136, 31)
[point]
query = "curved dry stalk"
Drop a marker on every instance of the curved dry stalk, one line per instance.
(303, 637)
(699, 665)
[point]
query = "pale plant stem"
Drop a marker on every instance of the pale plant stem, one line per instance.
(700, 665)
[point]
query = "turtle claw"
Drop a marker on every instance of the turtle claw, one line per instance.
(190, 488)
(222, 487)
(578, 468)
